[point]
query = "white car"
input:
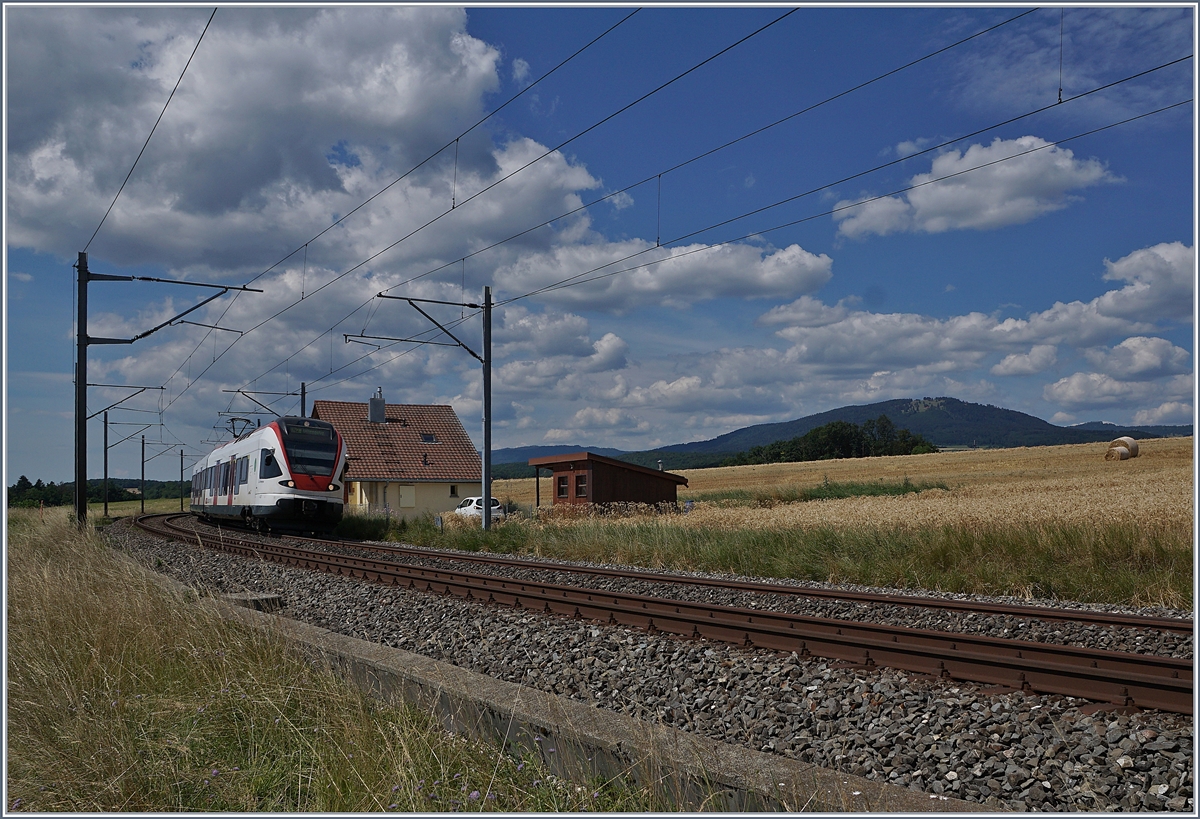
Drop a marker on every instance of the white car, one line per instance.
(473, 508)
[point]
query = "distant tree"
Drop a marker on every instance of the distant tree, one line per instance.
(838, 439)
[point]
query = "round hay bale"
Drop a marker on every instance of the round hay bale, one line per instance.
(1128, 443)
(1117, 453)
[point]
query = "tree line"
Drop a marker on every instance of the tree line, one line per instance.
(27, 494)
(838, 439)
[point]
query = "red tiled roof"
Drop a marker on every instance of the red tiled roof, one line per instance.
(399, 450)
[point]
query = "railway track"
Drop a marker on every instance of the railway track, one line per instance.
(1086, 617)
(1120, 678)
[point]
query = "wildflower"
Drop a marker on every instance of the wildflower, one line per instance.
(550, 750)
(16, 803)
(276, 720)
(456, 776)
(215, 772)
(236, 768)
(521, 767)
(491, 795)
(595, 794)
(473, 795)
(536, 782)
(397, 787)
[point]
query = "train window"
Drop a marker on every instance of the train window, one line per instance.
(563, 483)
(243, 470)
(270, 466)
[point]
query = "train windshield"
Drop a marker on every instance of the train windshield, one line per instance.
(311, 447)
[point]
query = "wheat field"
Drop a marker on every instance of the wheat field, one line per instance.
(1070, 484)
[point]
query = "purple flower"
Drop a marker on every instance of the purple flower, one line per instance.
(456, 776)
(536, 782)
(491, 795)
(595, 794)
(521, 767)
(215, 772)
(396, 788)
(391, 806)
(550, 750)
(473, 795)
(16, 803)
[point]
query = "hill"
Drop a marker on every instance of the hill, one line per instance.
(945, 422)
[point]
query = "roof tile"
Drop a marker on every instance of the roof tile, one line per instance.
(419, 443)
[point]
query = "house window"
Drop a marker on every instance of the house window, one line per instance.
(453, 491)
(428, 438)
(562, 485)
(581, 485)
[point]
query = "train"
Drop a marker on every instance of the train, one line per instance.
(285, 475)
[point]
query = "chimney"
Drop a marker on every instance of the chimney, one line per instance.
(660, 469)
(377, 411)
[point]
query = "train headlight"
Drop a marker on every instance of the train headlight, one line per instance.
(288, 484)
(332, 487)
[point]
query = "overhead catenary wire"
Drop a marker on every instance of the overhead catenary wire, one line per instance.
(170, 97)
(489, 187)
(576, 280)
(387, 187)
(795, 197)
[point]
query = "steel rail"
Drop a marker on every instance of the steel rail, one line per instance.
(1122, 678)
(1103, 619)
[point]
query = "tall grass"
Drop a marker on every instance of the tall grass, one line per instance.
(1111, 562)
(826, 490)
(124, 696)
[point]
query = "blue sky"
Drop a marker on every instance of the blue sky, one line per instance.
(1037, 271)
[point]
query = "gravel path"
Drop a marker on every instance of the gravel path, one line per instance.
(1012, 751)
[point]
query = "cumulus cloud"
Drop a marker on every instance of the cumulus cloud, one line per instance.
(1140, 357)
(1169, 412)
(622, 275)
(983, 188)
(862, 341)
(1034, 361)
(1100, 389)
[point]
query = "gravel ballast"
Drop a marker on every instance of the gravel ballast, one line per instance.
(1010, 750)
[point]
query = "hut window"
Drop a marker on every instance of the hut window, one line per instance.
(581, 486)
(562, 486)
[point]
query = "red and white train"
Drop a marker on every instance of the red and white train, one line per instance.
(285, 475)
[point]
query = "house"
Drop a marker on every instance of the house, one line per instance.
(584, 477)
(406, 459)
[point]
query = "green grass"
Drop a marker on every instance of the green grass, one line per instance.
(773, 496)
(1103, 563)
(124, 696)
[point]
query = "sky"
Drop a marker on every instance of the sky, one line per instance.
(691, 219)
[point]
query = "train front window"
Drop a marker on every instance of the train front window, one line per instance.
(311, 448)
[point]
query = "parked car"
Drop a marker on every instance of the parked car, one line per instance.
(473, 508)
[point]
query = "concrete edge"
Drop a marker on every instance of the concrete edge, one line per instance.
(580, 741)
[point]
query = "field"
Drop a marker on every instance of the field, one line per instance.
(1052, 522)
(126, 696)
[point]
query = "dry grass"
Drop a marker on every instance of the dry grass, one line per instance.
(1035, 485)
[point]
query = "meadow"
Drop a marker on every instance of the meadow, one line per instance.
(124, 695)
(1040, 522)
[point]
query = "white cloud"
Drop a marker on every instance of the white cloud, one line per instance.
(1161, 283)
(520, 71)
(1098, 389)
(1140, 357)
(669, 276)
(988, 196)
(1169, 412)
(1036, 360)
(21, 277)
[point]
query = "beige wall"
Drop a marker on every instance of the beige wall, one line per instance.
(408, 499)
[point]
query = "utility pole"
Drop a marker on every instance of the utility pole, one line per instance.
(106, 464)
(143, 490)
(485, 360)
(303, 414)
(81, 340)
(181, 480)
(487, 408)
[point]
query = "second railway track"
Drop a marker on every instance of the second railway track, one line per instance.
(1119, 678)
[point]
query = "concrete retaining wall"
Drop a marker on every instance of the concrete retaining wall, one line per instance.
(579, 741)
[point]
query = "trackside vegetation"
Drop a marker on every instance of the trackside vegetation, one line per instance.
(126, 696)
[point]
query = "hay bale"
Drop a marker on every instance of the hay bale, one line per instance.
(1128, 443)
(1117, 453)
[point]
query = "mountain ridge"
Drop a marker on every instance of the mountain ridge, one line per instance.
(945, 421)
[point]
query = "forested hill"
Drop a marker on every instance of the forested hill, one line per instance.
(943, 421)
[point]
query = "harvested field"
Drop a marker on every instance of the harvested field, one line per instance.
(1030, 485)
